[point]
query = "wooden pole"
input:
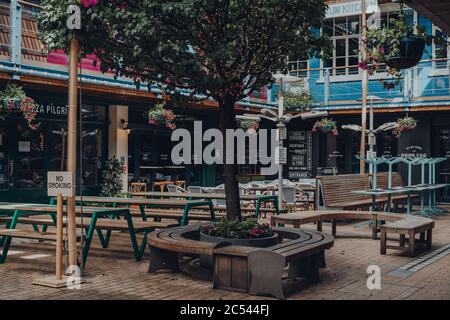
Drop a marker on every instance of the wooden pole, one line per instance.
(59, 238)
(72, 149)
(362, 149)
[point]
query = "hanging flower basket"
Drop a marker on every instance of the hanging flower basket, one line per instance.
(409, 54)
(327, 126)
(405, 124)
(248, 124)
(161, 117)
(399, 46)
(15, 100)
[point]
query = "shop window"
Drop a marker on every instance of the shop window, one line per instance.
(298, 68)
(30, 160)
(93, 113)
(92, 155)
(344, 33)
(440, 51)
(5, 169)
(56, 149)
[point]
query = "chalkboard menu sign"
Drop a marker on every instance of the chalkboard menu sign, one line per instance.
(300, 154)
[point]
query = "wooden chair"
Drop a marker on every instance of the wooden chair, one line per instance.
(138, 187)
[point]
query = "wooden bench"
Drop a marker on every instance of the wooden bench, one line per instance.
(396, 223)
(335, 192)
(245, 269)
(166, 245)
(100, 224)
(26, 234)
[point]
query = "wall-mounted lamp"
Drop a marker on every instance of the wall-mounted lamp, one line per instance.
(124, 125)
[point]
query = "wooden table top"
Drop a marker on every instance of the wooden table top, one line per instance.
(138, 201)
(78, 209)
(193, 195)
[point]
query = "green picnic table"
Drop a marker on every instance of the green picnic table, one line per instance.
(257, 199)
(16, 211)
(185, 205)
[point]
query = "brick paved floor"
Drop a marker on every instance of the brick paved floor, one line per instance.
(113, 274)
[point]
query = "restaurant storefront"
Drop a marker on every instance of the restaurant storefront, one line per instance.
(27, 155)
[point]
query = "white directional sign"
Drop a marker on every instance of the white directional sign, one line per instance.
(280, 155)
(60, 182)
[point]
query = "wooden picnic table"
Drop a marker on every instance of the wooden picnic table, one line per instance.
(185, 205)
(16, 211)
(258, 199)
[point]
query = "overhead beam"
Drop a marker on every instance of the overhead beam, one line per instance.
(424, 8)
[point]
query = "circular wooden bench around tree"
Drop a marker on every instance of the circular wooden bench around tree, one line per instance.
(245, 269)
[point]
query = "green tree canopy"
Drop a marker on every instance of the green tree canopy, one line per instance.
(223, 49)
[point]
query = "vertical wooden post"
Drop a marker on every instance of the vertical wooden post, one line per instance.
(362, 149)
(59, 238)
(72, 149)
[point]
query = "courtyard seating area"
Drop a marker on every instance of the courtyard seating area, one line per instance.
(164, 227)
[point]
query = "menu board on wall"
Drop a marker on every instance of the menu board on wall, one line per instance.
(300, 154)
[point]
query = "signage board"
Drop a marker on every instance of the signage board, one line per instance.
(60, 182)
(280, 155)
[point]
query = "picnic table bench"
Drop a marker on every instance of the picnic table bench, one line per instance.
(257, 199)
(99, 219)
(396, 223)
(185, 205)
(244, 269)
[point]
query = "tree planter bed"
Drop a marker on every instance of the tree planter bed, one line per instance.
(252, 270)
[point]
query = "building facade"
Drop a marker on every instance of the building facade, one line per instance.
(112, 120)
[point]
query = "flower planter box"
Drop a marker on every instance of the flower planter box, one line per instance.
(411, 51)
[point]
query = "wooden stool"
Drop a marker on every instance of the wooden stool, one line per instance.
(425, 232)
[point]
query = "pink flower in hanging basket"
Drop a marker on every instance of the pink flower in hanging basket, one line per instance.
(89, 3)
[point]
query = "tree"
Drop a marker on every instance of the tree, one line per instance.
(220, 49)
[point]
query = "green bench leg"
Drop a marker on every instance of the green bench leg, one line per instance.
(6, 241)
(134, 243)
(104, 240)
(89, 236)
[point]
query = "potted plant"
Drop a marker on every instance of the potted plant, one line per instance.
(14, 100)
(327, 126)
(247, 232)
(399, 46)
(160, 116)
(405, 124)
(297, 101)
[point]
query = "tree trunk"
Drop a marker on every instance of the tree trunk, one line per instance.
(227, 120)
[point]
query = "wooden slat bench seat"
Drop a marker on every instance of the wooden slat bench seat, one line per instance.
(32, 235)
(103, 224)
(143, 227)
(9, 234)
(244, 269)
(175, 214)
(166, 245)
(335, 192)
(396, 223)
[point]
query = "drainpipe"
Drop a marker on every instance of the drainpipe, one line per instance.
(15, 35)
